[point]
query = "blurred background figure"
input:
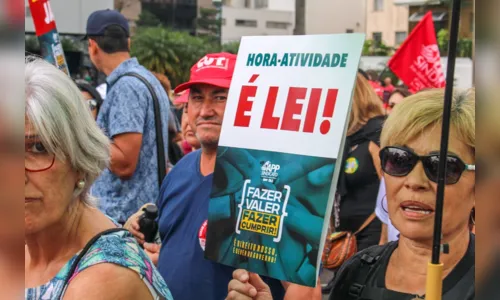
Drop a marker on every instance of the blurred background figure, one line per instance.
(395, 97)
(11, 208)
(91, 95)
(488, 210)
(175, 152)
(189, 141)
(372, 77)
(359, 180)
(12, 14)
(388, 85)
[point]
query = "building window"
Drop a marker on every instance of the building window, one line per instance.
(246, 23)
(400, 37)
(349, 30)
(377, 38)
(247, 3)
(378, 5)
(276, 25)
(223, 22)
(261, 4)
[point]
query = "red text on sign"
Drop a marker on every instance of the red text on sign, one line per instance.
(292, 118)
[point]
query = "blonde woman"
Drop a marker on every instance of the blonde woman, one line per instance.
(410, 144)
(360, 178)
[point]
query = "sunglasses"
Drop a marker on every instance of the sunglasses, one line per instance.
(399, 162)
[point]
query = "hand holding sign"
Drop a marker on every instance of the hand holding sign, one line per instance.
(284, 123)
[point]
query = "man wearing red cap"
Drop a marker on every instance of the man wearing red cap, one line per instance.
(185, 192)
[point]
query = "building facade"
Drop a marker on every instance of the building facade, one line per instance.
(70, 16)
(176, 14)
(255, 17)
(386, 22)
(441, 10)
(335, 16)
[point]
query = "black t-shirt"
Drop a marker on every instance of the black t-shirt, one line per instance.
(359, 182)
(362, 184)
(458, 285)
(464, 265)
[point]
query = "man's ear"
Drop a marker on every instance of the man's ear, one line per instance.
(129, 44)
(93, 48)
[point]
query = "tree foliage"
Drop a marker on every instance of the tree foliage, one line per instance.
(464, 45)
(372, 48)
(148, 19)
(169, 52)
(231, 47)
(207, 25)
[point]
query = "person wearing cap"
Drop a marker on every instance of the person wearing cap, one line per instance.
(189, 142)
(127, 117)
(185, 193)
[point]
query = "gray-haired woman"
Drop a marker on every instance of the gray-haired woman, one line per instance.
(73, 251)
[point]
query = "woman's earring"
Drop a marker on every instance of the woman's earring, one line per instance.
(81, 184)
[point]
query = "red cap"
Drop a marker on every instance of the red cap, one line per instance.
(213, 69)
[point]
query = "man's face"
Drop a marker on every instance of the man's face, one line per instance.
(205, 112)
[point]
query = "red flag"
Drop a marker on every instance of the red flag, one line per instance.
(417, 62)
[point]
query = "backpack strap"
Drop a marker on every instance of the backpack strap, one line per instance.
(160, 148)
(367, 222)
(350, 282)
(85, 250)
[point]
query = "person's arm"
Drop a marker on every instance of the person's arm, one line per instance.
(125, 150)
(299, 292)
(107, 282)
(127, 117)
(374, 151)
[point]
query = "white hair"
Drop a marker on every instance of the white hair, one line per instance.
(58, 113)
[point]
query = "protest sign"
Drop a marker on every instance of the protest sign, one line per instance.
(46, 31)
(276, 172)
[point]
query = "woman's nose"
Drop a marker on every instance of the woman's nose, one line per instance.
(417, 179)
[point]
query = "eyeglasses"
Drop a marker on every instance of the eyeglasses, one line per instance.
(37, 158)
(400, 162)
(92, 104)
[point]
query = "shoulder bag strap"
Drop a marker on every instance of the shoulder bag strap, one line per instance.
(160, 148)
(85, 250)
(366, 223)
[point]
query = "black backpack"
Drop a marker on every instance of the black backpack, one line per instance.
(352, 282)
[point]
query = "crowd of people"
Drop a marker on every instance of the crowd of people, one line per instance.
(93, 161)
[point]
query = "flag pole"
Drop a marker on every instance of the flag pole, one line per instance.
(434, 284)
(45, 28)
